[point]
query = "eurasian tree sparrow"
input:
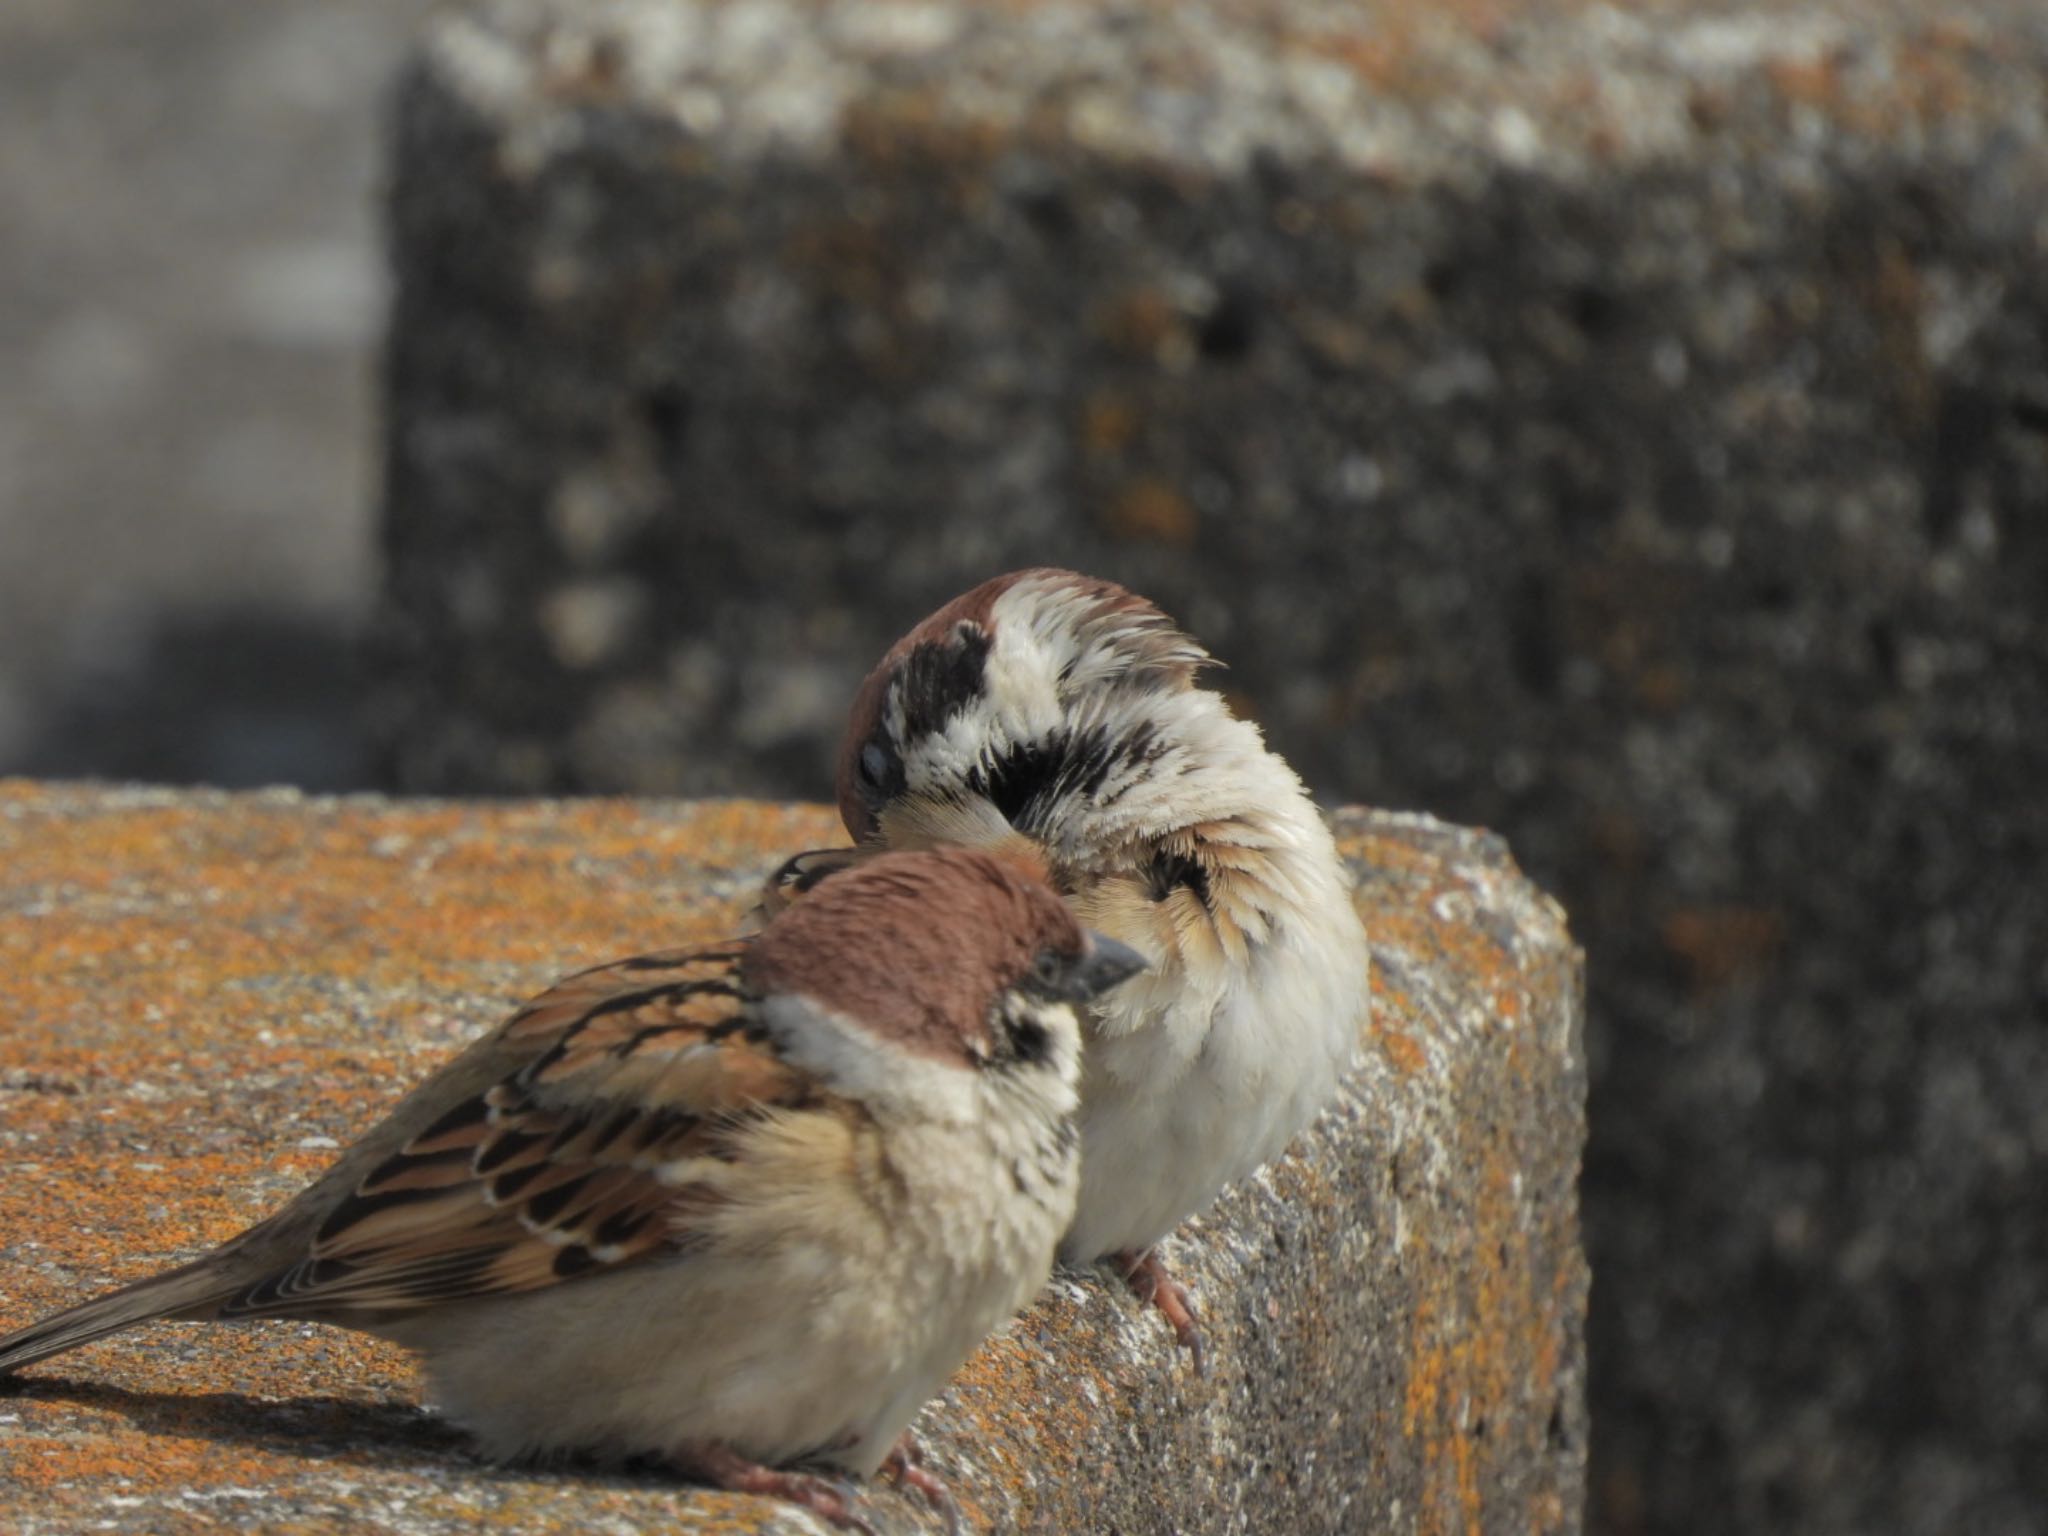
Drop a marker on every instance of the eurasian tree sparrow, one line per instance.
(735, 1207)
(1062, 711)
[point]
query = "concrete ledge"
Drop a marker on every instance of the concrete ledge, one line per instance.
(208, 993)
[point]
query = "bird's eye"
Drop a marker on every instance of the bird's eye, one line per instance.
(874, 764)
(1049, 969)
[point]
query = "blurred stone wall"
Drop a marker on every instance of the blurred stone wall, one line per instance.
(1628, 430)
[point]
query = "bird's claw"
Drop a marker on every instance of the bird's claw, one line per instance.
(1153, 1283)
(827, 1498)
(905, 1465)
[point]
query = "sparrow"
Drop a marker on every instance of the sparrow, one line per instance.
(741, 1209)
(1058, 716)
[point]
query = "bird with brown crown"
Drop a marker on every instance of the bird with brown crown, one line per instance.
(1059, 716)
(741, 1208)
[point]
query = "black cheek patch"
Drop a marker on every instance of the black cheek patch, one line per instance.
(1028, 1041)
(940, 678)
(1091, 756)
(1012, 782)
(1028, 777)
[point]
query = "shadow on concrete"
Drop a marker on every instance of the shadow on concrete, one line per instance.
(328, 1429)
(325, 1428)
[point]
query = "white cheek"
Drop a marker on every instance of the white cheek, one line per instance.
(1021, 679)
(851, 1062)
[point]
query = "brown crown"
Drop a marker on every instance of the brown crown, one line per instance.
(915, 946)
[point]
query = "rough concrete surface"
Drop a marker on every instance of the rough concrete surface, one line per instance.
(209, 993)
(1625, 426)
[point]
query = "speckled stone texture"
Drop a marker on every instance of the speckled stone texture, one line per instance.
(1626, 427)
(209, 993)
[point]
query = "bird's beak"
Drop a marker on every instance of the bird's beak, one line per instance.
(1106, 964)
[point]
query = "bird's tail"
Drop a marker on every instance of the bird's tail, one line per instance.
(192, 1290)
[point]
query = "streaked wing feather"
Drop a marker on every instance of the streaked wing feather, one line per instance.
(594, 1151)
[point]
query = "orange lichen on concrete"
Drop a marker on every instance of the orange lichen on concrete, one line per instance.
(1489, 1357)
(213, 994)
(1487, 1330)
(1401, 1050)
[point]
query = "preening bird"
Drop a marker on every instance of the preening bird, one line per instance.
(741, 1208)
(1061, 714)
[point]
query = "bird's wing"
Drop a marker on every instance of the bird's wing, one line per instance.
(612, 1124)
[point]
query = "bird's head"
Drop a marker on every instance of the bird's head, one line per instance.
(902, 981)
(1030, 706)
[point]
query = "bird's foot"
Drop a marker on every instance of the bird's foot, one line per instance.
(723, 1467)
(795, 877)
(905, 1464)
(1153, 1283)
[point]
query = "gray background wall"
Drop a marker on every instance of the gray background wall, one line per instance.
(191, 288)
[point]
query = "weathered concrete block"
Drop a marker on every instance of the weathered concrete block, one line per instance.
(1623, 426)
(211, 992)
